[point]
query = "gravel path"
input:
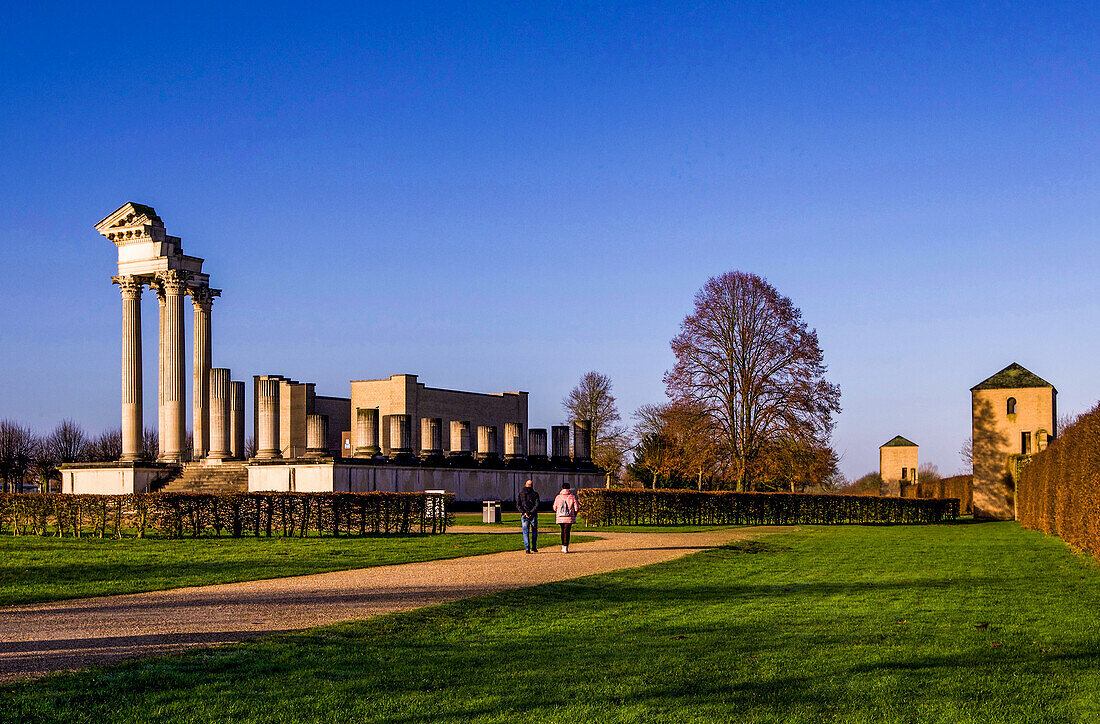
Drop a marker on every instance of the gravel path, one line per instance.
(41, 638)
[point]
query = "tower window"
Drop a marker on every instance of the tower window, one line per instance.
(1025, 443)
(904, 473)
(1012, 405)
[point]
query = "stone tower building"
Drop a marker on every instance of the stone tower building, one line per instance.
(1014, 414)
(897, 465)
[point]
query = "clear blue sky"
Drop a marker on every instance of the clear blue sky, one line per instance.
(500, 198)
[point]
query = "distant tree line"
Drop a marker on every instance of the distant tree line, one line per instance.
(28, 458)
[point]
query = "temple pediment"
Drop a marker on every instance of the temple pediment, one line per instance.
(132, 224)
(144, 248)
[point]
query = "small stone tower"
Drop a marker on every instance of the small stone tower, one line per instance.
(1014, 414)
(897, 465)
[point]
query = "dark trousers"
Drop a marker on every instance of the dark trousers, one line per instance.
(565, 527)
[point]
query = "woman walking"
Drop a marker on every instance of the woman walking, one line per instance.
(566, 507)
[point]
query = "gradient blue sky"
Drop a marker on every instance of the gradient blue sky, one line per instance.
(496, 197)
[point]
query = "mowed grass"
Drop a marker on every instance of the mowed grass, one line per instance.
(35, 569)
(951, 623)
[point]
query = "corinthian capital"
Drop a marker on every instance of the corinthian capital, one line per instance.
(173, 281)
(129, 285)
(203, 297)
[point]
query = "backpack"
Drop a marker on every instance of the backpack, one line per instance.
(563, 507)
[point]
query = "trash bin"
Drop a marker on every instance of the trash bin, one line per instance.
(490, 511)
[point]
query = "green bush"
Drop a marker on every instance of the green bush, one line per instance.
(620, 506)
(235, 514)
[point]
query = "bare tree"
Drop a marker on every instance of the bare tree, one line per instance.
(675, 441)
(150, 443)
(745, 357)
(17, 448)
(592, 400)
(250, 448)
(966, 453)
(45, 461)
(67, 443)
(106, 447)
(928, 473)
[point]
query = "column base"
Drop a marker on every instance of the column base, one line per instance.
(488, 460)
(403, 456)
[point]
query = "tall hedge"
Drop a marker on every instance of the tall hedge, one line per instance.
(624, 506)
(1058, 492)
(960, 487)
(177, 515)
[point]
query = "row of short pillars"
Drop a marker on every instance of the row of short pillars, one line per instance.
(399, 429)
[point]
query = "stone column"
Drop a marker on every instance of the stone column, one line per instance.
(513, 441)
(401, 442)
(559, 439)
(202, 299)
(431, 437)
(220, 405)
(130, 287)
(486, 442)
(267, 414)
(536, 442)
(582, 441)
(174, 283)
(460, 437)
(366, 432)
(316, 436)
(236, 419)
(159, 290)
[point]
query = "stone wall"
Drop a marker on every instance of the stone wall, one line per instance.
(468, 485)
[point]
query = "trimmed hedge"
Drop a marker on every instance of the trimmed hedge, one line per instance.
(1058, 492)
(960, 487)
(176, 515)
(624, 506)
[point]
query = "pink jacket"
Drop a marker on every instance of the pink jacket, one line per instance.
(569, 498)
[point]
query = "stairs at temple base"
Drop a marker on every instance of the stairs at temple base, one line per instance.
(229, 477)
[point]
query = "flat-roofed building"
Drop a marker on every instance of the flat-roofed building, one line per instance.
(403, 394)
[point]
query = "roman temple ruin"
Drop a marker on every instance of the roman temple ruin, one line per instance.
(393, 434)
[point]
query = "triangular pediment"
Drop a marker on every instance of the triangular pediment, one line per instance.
(129, 215)
(899, 441)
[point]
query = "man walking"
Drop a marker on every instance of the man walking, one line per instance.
(527, 502)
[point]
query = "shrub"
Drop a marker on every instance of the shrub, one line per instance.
(617, 506)
(235, 514)
(1058, 492)
(960, 487)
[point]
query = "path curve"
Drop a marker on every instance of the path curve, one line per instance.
(41, 638)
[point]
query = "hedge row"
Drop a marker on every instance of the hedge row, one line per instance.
(1058, 492)
(960, 487)
(175, 515)
(621, 506)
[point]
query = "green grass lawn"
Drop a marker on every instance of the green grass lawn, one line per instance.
(965, 622)
(34, 569)
(547, 525)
